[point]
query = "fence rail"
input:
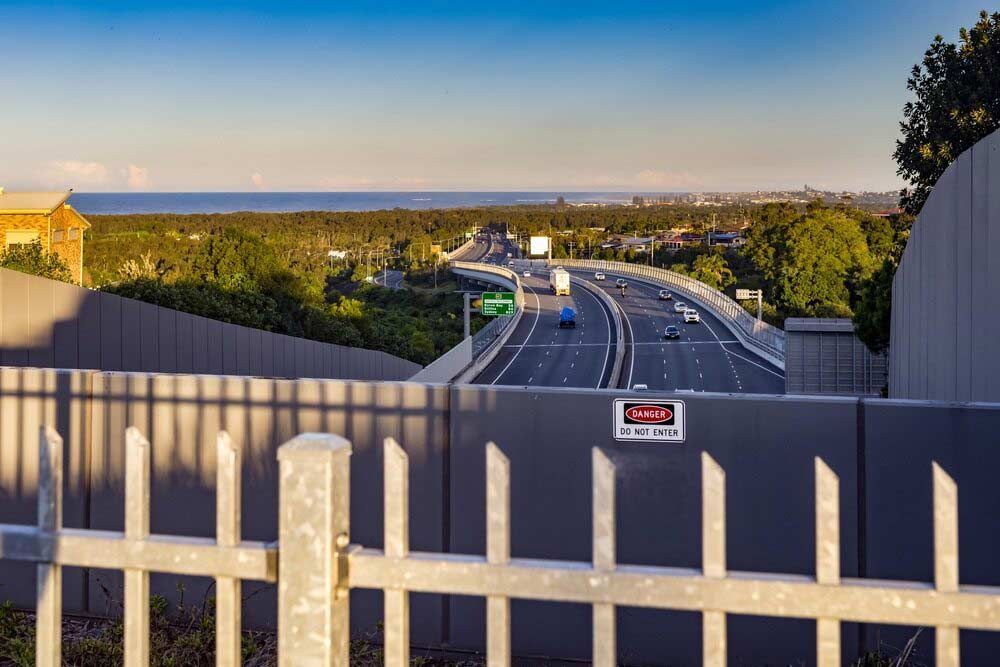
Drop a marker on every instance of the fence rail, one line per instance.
(768, 339)
(318, 565)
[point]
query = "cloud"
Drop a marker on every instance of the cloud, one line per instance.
(257, 180)
(137, 177)
(69, 173)
(666, 180)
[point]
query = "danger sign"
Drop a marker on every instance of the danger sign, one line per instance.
(648, 421)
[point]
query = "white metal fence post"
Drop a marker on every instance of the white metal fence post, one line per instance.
(313, 529)
(48, 625)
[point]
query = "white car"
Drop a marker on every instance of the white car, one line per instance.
(526, 274)
(691, 316)
(598, 276)
(640, 387)
(680, 307)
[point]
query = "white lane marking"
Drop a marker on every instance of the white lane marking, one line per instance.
(564, 380)
(538, 311)
(763, 368)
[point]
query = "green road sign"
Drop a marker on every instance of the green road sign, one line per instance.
(498, 303)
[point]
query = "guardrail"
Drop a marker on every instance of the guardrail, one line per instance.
(759, 336)
(467, 359)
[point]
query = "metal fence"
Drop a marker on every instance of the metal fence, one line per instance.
(317, 565)
(49, 324)
(767, 339)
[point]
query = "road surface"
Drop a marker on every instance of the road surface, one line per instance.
(705, 358)
(392, 279)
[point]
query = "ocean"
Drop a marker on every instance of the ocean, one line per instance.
(228, 202)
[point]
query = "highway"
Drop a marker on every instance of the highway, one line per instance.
(706, 357)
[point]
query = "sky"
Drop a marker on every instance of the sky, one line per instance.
(344, 96)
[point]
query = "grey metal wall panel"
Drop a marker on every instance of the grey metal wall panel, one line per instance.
(767, 448)
(148, 326)
(903, 440)
(200, 344)
(111, 332)
(66, 303)
(185, 343)
(46, 323)
(230, 364)
(181, 415)
(89, 329)
(948, 287)
(166, 340)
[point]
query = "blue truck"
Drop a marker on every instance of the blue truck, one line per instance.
(567, 318)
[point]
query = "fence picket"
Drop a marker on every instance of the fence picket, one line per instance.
(48, 624)
(397, 545)
(827, 559)
(228, 603)
(713, 556)
(497, 553)
(136, 529)
(605, 652)
(945, 559)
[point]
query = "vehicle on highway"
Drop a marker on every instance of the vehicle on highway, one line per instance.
(665, 295)
(526, 274)
(567, 318)
(691, 316)
(621, 282)
(640, 387)
(680, 307)
(671, 332)
(598, 276)
(559, 281)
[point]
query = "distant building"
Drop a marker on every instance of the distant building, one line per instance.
(46, 218)
(337, 254)
(730, 239)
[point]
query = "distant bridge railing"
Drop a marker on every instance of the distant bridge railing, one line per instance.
(763, 338)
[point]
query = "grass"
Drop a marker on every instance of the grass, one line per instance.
(180, 635)
(184, 634)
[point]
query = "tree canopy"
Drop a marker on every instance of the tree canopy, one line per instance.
(956, 103)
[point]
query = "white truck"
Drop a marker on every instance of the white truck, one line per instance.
(559, 281)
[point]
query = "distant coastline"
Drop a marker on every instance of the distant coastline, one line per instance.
(126, 203)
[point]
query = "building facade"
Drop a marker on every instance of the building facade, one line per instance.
(47, 219)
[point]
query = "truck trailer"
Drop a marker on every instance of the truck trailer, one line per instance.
(559, 282)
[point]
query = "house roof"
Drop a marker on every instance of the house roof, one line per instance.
(31, 202)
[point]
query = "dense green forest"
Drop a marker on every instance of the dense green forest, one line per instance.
(271, 270)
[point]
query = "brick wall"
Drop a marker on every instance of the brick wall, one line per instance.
(61, 233)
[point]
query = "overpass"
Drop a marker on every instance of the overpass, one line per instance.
(706, 356)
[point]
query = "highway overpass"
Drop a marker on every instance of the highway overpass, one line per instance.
(706, 357)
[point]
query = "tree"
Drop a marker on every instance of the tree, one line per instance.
(713, 270)
(30, 258)
(957, 103)
(827, 257)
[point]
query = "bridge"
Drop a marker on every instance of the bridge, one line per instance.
(706, 356)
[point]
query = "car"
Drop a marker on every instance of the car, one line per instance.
(640, 387)
(526, 274)
(671, 332)
(621, 282)
(665, 295)
(691, 316)
(680, 307)
(598, 276)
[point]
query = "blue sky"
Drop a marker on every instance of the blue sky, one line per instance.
(232, 96)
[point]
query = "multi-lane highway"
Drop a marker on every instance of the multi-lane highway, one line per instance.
(539, 353)
(706, 357)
